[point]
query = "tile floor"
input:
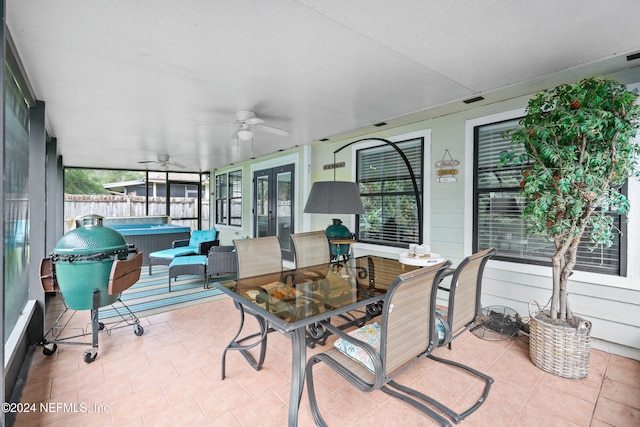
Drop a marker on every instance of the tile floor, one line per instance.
(171, 376)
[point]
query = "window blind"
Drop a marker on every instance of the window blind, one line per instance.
(498, 211)
(391, 214)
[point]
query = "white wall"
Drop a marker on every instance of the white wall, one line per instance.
(611, 303)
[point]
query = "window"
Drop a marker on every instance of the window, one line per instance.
(498, 206)
(229, 198)
(391, 213)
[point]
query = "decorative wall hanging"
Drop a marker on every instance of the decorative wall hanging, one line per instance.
(447, 171)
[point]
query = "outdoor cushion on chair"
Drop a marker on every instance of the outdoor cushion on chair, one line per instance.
(369, 334)
(190, 264)
(174, 252)
(201, 236)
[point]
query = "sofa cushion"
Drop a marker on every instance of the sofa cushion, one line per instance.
(200, 236)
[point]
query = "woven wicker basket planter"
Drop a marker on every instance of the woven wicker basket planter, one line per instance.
(559, 349)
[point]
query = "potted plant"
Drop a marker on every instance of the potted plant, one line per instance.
(576, 147)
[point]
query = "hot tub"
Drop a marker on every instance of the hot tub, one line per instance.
(149, 238)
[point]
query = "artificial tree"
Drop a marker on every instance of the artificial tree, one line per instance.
(579, 150)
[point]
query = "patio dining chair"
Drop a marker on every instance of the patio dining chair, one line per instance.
(311, 248)
(372, 357)
(464, 308)
(255, 257)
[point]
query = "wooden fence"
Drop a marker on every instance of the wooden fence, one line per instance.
(78, 205)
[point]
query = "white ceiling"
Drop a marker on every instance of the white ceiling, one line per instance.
(126, 80)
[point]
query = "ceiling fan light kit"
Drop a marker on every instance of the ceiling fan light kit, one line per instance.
(247, 123)
(245, 134)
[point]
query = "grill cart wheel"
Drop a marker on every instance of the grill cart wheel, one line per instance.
(49, 349)
(138, 330)
(90, 355)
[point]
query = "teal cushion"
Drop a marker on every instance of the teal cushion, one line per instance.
(189, 260)
(199, 236)
(369, 334)
(175, 252)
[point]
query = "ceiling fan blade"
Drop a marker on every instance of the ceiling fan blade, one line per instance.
(148, 161)
(176, 164)
(225, 123)
(253, 121)
(271, 129)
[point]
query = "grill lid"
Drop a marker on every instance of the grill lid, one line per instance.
(91, 238)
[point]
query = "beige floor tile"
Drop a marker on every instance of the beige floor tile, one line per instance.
(443, 383)
(561, 405)
(516, 367)
(36, 391)
(266, 410)
(347, 406)
(173, 370)
(72, 382)
(257, 383)
(533, 416)
(394, 412)
(624, 370)
(621, 393)
(585, 389)
(182, 387)
(183, 413)
(62, 407)
(148, 376)
(616, 414)
(91, 418)
(194, 360)
(103, 392)
(491, 414)
(132, 409)
(223, 398)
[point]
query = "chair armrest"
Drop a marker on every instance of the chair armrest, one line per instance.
(221, 262)
(203, 247)
(180, 243)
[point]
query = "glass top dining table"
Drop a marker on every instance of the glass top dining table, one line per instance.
(294, 299)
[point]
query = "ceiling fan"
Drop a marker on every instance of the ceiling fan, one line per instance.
(163, 162)
(247, 122)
